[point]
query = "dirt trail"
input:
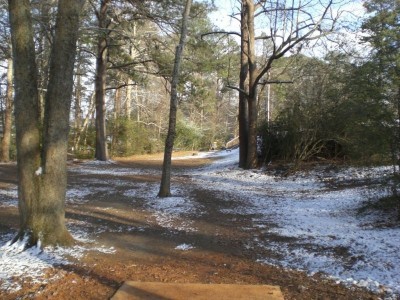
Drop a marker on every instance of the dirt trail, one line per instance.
(150, 247)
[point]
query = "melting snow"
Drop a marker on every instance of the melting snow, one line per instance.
(321, 229)
(9, 197)
(33, 263)
(324, 232)
(184, 247)
(173, 212)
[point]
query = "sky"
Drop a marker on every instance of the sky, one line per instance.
(221, 17)
(352, 12)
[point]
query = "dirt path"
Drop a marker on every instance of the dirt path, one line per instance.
(200, 245)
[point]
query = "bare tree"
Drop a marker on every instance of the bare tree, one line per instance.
(289, 25)
(165, 187)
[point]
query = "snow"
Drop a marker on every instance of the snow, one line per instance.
(306, 219)
(184, 247)
(9, 198)
(320, 225)
(19, 265)
(172, 212)
(39, 171)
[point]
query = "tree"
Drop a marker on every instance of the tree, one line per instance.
(291, 25)
(207, 108)
(384, 35)
(100, 80)
(5, 53)
(165, 189)
(335, 109)
(6, 140)
(42, 153)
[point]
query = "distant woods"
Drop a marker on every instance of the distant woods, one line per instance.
(280, 81)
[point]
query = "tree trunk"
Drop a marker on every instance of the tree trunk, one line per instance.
(56, 123)
(165, 187)
(252, 159)
(77, 105)
(5, 142)
(27, 125)
(128, 99)
(44, 44)
(42, 174)
(398, 129)
(117, 120)
(244, 87)
(85, 123)
(100, 84)
(128, 102)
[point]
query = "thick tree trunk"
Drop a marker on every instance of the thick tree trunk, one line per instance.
(5, 142)
(244, 87)
(27, 125)
(100, 84)
(42, 183)
(56, 123)
(165, 187)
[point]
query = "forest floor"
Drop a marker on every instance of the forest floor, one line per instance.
(208, 232)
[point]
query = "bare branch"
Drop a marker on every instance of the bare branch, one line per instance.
(120, 86)
(237, 89)
(275, 82)
(220, 32)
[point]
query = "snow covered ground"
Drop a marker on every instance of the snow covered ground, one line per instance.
(320, 226)
(318, 220)
(326, 233)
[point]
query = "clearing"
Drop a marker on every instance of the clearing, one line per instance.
(314, 233)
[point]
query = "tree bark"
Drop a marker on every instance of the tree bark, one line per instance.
(42, 175)
(128, 99)
(27, 125)
(252, 158)
(5, 142)
(85, 124)
(165, 187)
(244, 87)
(101, 152)
(78, 104)
(56, 123)
(398, 129)
(298, 32)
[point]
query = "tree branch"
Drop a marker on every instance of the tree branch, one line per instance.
(237, 89)
(275, 82)
(220, 32)
(120, 86)
(131, 64)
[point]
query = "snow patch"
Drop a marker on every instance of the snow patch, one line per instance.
(174, 212)
(318, 224)
(19, 264)
(39, 171)
(184, 247)
(9, 198)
